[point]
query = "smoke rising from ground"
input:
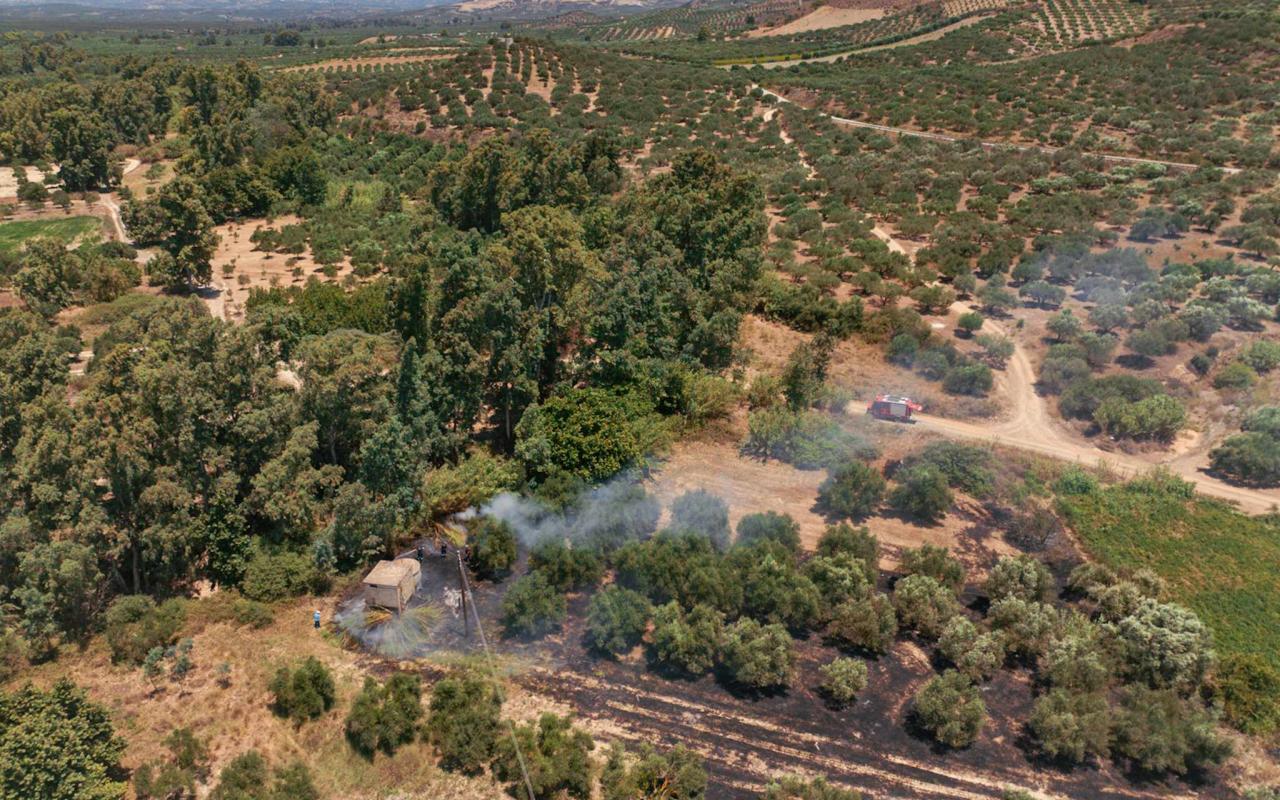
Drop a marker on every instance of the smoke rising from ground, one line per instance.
(611, 513)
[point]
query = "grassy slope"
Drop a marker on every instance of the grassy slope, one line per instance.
(1219, 562)
(13, 234)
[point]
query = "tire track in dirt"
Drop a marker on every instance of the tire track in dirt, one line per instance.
(1031, 426)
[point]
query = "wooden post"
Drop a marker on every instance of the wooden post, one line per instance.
(462, 583)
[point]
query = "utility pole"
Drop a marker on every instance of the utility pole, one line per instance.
(462, 583)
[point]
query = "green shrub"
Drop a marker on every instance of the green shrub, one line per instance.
(384, 717)
(950, 709)
(971, 379)
(554, 755)
(769, 526)
(935, 562)
(923, 605)
(270, 577)
(1027, 626)
(859, 543)
(303, 693)
(616, 620)
(532, 607)
(688, 642)
(1236, 375)
(566, 567)
(1071, 727)
(1161, 732)
(852, 491)
(134, 624)
(843, 678)
(703, 513)
(1249, 686)
(493, 548)
(677, 774)
(758, 656)
(1020, 576)
(975, 653)
(921, 493)
(464, 723)
(868, 624)
(792, 788)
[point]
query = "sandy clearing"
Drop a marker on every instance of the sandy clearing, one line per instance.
(9, 180)
(819, 19)
(238, 267)
(751, 486)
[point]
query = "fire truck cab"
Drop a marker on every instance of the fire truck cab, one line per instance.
(893, 407)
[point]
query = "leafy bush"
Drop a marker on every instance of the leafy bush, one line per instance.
(1027, 626)
(807, 440)
(1251, 458)
(950, 709)
(1156, 417)
(792, 788)
(584, 433)
(57, 743)
(677, 774)
(554, 755)
(1165, 645)
(1236, 375)
(532, 607)
(975, 653)
(464, 722)
(1020, 576)
(565, 567)
(769, 526)
(1249, 686)
(134, 624)
(923, 605)
(493, 548)
(966, 467)
(869, 624)
(858, 543)
(383, 717)
(303, 693)
(270, 577)
(689, 642)
(616, 620)
(1071, 726)
(935, 562)
(1160, 732)
(922, 493)
(758, 656)
(853, 491)
(971, 379)
(174, 778)
(773, 589)
(843, 678)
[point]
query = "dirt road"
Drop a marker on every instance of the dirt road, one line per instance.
(1029, 425)
(942, 137)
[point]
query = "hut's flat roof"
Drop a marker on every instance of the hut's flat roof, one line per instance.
(391, 573)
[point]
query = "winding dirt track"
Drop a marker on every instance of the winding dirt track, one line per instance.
(942, 137)
(1031, 426)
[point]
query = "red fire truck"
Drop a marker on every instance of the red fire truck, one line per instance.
(893, 407)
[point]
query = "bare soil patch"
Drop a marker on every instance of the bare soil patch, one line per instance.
(239, 267)
(819, 19)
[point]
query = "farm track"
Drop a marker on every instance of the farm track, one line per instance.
(942, 137)
(1031, 425)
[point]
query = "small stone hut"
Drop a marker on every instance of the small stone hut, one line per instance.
(391, 584)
